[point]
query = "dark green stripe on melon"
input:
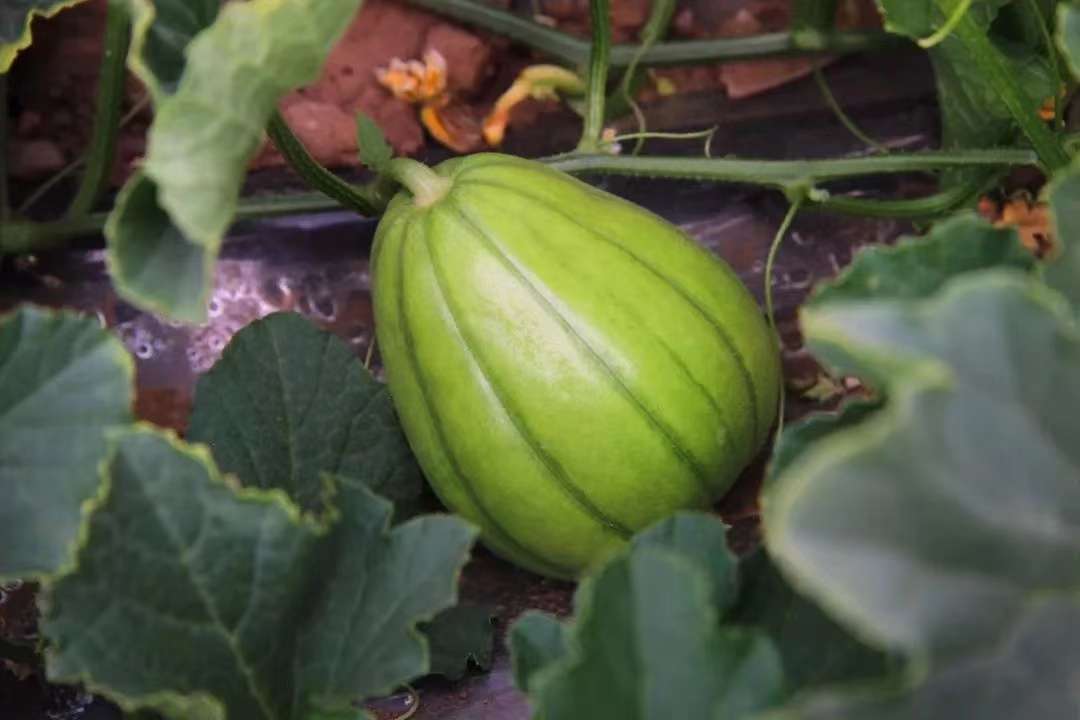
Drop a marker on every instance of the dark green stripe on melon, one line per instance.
(568, 367)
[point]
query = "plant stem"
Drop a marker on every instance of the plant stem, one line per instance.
(1002, 78)
(576, 51)
(426, 186)
(786, 174)
(912, 208)
(364, 200)
(26, 237)
(622, 98)
(783, 174)
(75, 164)
(102, 149)
(596, 86)
(693, 52)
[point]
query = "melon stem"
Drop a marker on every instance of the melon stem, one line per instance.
(426, 186)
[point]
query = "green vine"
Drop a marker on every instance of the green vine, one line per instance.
(951, 21)
(843, 117)
(787, 174)
(110, 93)
(596, 87)
(366, 200)
(27, 237)
(575, 51)
(621, 100)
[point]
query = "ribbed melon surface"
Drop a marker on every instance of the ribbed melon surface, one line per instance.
(568, 367)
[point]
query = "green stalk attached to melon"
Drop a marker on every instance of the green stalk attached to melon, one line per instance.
(568, 367)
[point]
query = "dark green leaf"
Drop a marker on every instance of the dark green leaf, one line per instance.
(184, 589)
(814, 649)
(200, 600)
(931, 524)
(378, 584)
(459, 636)
(918, 267)
(152, 264)
(63, 381)
(701, 539)
(1030, 674)
(537, 641)
(808, 432)
(288, 402)
(974, 113)
(15, 17)
(1063, 272)
(375, 151)
(162, 30)
(646, 639)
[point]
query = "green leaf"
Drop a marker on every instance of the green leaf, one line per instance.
(288, 403)
(701, 539)
(814, 649)
(206, 131)
(807, 432)
(645, 640)
(200, 600)
(930, 525)
(1031, 674)
(979, 75)
(536, 640)
(151, 263)
(380, 583)
(919, 267)
(64, 381)
(204, 135)
(15, 18)
(161, 32)
(184, 588)
(375, 151)
(1063, 271)
(459, 636)
(1068, 35)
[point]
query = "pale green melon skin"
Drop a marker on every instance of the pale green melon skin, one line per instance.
(568, 367)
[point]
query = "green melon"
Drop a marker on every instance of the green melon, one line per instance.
(568, 368)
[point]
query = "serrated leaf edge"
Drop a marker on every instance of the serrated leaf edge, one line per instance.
(8, 51)
(388, 532)
(127, 366)
(201, 454)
